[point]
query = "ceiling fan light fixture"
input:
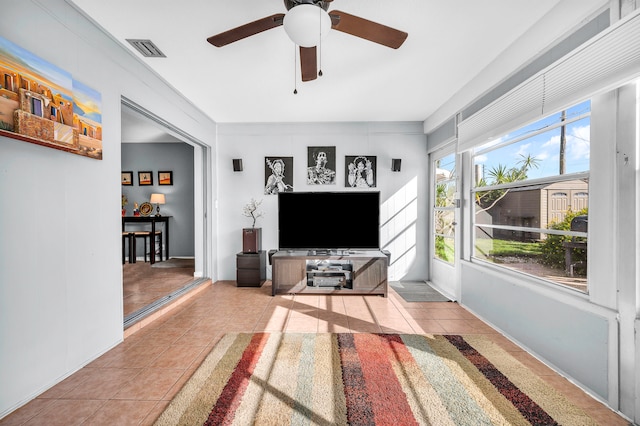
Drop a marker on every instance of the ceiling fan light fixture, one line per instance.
(306, 24)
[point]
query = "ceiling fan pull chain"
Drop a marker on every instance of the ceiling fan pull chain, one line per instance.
(320, 43)
(295, 69)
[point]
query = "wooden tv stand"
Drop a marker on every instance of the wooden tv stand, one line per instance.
(361, 272)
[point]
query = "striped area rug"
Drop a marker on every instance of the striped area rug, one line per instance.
(365, 379)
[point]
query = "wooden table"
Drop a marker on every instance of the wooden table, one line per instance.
(152, 220)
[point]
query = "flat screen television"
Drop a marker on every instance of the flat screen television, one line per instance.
(329, 220)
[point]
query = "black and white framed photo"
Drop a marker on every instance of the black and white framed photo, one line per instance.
(360, 171)
(278, 175)
(321, 165)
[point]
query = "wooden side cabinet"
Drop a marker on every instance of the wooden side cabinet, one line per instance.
(251, 269)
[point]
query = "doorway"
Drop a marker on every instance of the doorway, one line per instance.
(152, 146)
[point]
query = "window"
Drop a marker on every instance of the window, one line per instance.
(36, 107)
(531, 195)
(8, 82)
(444, 209)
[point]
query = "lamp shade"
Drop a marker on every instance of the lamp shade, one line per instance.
(306, 24)
(157, 199)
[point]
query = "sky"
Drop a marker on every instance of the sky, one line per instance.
(22, 61)
(545, 146)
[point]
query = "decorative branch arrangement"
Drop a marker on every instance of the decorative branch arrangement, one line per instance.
(251, 210)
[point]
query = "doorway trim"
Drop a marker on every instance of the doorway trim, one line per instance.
(202, 219)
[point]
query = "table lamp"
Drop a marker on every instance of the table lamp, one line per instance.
(157, 199)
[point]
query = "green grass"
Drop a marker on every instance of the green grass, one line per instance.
(488, 247)
(445, 249)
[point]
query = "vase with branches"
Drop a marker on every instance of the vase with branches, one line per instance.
(251, 209)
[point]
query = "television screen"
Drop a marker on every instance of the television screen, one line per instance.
(328, 220)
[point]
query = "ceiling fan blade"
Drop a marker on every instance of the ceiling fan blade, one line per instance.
(246, 30)
(308, 63)
(366, 29)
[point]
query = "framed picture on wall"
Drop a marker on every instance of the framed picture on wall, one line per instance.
(57, 111)
(145, 178)
(278, 175)
(127, 178)
(165, 178)
(321, 165)
(360, 171)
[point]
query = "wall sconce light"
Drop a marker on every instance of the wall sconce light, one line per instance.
(237, 164)
(395, 164)
(157, 199)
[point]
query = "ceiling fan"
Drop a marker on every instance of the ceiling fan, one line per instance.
(306, 23)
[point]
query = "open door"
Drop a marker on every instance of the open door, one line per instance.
(445, 214)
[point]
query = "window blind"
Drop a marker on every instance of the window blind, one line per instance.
(606, 61)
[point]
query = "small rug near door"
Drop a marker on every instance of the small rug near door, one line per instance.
(417, 291)
(175, 262)
(381, 379)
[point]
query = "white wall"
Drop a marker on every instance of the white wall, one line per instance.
(403, 194)
(563, 330)
(60, 266)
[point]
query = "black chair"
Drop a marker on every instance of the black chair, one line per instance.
(127, 237)
(146, 235)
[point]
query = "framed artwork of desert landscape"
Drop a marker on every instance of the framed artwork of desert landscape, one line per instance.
(145, 178)
(127, 178)
(42, 104)
(165, 178)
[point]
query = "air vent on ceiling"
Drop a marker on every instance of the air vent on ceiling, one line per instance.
(146, 48)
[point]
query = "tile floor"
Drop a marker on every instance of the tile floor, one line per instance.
(143, 283)
(133, 383)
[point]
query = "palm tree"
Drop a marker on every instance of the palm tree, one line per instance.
(502, 174)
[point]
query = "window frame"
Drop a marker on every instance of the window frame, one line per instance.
(487, 148)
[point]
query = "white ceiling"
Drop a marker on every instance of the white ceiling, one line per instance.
(136, 128)
(455, 50)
